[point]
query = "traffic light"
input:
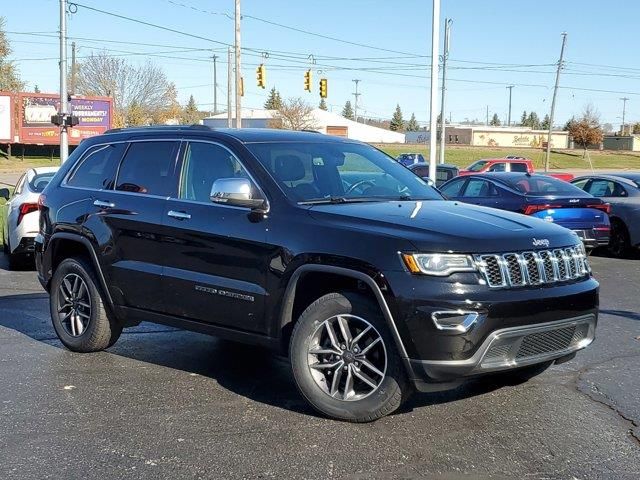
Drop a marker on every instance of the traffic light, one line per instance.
(307, 80)
(323, 88)
(261, 74)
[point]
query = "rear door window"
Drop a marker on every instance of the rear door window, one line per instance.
(519, 167)
(498, 167)
(149, 168)
(479, 188)
(97, 168)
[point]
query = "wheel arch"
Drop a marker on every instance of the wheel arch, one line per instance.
(64, 245)
(289, 308)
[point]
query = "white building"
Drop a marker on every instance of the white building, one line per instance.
(325, 122)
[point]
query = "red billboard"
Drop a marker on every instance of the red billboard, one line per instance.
(34, 118)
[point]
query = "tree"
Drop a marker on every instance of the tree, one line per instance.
(586, 130)
(523, 119)
(412, 125)
(172, 112)
(397, 123)
(322, 105)
(568, 124)
(136, 115)
(635, 128)
(347, 111)
(495, 121)
(607, 128)
(36, 89)
(545, 123)
(533, 121)
(9, 76)
(190, 114)
(274, 101)
(144, 87)
(294, 114)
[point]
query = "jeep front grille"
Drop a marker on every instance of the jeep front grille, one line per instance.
(540, 267)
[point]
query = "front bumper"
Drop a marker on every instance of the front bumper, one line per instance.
(515, 347)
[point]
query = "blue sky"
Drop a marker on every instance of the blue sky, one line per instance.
(494, 43)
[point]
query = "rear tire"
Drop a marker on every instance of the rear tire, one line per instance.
(78, 311)
(619, 243)
(355, 376)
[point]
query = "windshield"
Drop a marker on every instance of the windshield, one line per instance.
(39, 181)
(477, 166)
(542, 186)
(335, 172)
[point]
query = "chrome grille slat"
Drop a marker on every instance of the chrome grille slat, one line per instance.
(533, 268)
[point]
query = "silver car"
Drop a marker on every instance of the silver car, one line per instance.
(21, 214)
(622, 191)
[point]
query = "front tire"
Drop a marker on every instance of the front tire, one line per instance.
(344, 359)
(619, 243)
(78, 311)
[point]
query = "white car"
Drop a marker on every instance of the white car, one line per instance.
(21, 214)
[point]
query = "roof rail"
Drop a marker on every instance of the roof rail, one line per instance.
(310, 131)
(148, 128)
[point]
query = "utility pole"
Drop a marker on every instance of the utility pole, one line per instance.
(445, 56)
(229, 89)
(238, 70)
(355, 104)
(510, 87)
(487, 116)
(215, 84)
(624, 111)
(64, 139)
(433, 100)
(73, 68)
(553, 102)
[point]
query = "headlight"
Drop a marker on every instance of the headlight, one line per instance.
(439, 264)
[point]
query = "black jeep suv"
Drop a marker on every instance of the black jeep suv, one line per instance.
(325, 249)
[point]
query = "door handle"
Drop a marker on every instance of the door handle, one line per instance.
(179, 215)
(103, 204)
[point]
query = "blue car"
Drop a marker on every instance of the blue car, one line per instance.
(407, 159)
(539, 196)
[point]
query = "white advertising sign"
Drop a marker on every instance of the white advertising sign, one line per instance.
(5, 119)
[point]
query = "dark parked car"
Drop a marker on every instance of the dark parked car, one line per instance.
(444, 172)
(540, 196)
(407, 159)
(324, 249)
(622, 192)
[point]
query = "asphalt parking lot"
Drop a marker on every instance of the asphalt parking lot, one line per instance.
(164, 403)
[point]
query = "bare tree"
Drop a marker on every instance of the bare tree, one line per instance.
(143, 87)
(294, 114)
(586, 130)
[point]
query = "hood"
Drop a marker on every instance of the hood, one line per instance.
(441, 226)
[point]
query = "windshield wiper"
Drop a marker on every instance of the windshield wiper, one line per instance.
(338, 199)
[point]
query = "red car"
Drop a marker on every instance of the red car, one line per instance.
(508, 164)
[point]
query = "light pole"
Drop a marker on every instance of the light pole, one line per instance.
(445, 56)
(624, 111)
(433, 100)
(510, 87)
(238, 71)
(64, 139)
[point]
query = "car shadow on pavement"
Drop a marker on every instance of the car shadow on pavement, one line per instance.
(622, 313)
(253, 372)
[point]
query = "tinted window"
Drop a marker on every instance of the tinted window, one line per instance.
(498, 167)
(421, 171)
(148, 168)
(606, 188)
(204, 163)
(319, 171)
(541, 185)
(98, 167)
(580, 183)
(519, 167)
(39, 181)
(477, 166)
(479, 188)
(452, 189)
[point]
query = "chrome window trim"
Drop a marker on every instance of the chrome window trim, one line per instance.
(197, 202)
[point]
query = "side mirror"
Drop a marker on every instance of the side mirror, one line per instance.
(236, 192)
(430, 182)
(4, 193)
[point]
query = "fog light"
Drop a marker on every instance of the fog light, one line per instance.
(454, 321)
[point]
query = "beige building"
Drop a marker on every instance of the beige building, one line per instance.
(504, 137)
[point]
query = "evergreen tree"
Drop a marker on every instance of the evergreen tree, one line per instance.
(569, 124)
(36, 89)
(523, 119)
(274, 101)
(495, 121)
(347, 111)
(412, 125)
(191, 115)
(323, 105)
(397, 123)
(545, 123)
(533, 121)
